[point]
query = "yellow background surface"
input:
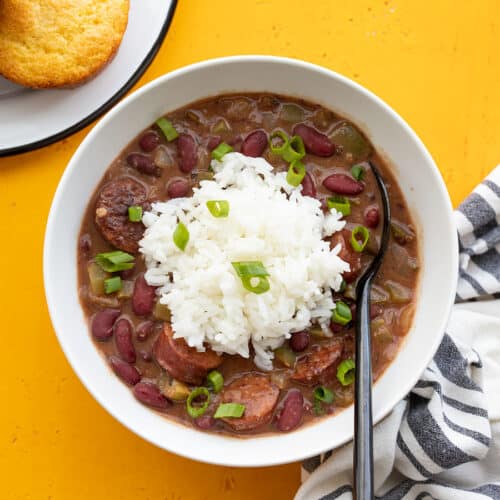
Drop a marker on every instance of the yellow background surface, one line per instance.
(435, 61)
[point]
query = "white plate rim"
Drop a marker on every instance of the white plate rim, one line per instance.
(106, 106)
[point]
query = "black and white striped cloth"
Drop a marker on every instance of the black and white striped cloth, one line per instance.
(443, 440)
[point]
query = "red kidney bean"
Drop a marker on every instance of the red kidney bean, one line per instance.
(315, 142)
(254, 144)
(335, 327)
(127, 274)
(299, 341)
(102, 323)
(178, 188)
(150, 395)
(188, 157)
(343, 184)
(143, 164)
(205, 422)
(143, 297)
(213, 142)
(123, 340)
(372, 217)
(291, 413)
(149, 141)
(308, 186)
(128, 373)
(144, 330)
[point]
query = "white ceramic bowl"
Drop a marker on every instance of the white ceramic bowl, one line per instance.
(418, 177)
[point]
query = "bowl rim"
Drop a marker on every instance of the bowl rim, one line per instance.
(51, 230)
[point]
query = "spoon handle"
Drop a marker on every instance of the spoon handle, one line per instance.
(363, 429)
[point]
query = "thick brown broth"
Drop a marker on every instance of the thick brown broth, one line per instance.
(231, 118)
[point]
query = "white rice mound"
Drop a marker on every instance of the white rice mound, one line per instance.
(269, 221)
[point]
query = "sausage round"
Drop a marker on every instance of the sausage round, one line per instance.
(111, 212)
(319, 365)
(258, 394)
(184, 363)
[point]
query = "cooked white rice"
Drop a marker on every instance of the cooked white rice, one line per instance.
(269, 221)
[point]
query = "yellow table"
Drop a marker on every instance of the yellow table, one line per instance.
(435, 61)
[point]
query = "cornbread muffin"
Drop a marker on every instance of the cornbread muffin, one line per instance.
(59, 43)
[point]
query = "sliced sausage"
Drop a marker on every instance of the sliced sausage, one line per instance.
(320, 364)
(181, 361)
(258, 394)
(347, 254)
(111, 212)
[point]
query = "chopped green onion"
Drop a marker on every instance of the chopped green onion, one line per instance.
(318, 408)
(323, 394)
(134, 214)
(197, 411)
(358, 172)
(359, 238)
(230, 410)
(112, 262)
(345, 372)
(295, 173)
(167, 128)
(260, 286)
(253, 276)
(342, 313)
(218, 208)
(249, 268)
(279, 147)
(294, 150)
(112, 284)
(221, 150)
(339, 203)
(215, 380)
(181, 236)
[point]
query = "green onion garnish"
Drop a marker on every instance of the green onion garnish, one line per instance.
(134, 214)
(296, 173)
(294, 150)
(342, 313)
(197, 411)
(345, 372)
(253, 276)
(339, 203)
(323, 394)
(230, 410)
(278, 147)
(359, 238)
(181, 236)
(112, 262)
(318, 408)
(215, 380)
(221, 150)
(249, 268)
(218, 208)
(167, 128)
(113, 284)
(256, 284)
(358, 172)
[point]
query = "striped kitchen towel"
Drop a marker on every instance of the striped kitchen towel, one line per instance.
(443, 440)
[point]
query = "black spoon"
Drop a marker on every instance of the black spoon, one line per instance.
(363, 422)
